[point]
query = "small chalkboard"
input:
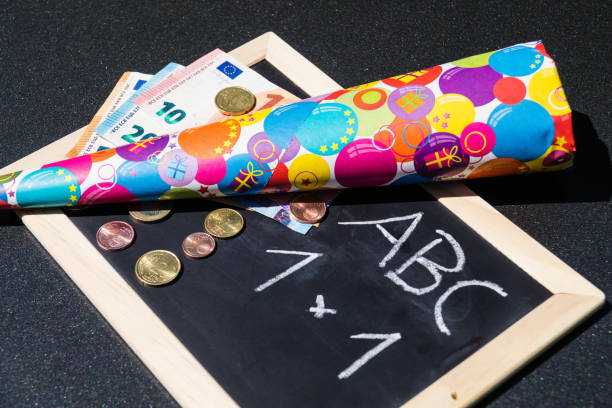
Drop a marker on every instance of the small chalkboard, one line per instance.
(386, 296)
(416, 296)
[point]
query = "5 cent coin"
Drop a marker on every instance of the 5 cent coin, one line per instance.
(234, 100)
(115, 235)
(157, 267)
(198, 245)
(224, 223)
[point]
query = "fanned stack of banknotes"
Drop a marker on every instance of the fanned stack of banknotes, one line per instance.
(142, 106)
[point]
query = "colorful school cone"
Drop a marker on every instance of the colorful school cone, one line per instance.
(498, 113)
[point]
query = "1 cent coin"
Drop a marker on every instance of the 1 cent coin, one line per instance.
(157, 267)
(224, 223)
(198, 245)
(115, 235)
(307, 209)
(234, 100)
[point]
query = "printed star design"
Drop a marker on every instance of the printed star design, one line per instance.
(532, 66)
(472, 167)
(134, 173)
(11, 194)
(73, 198)
(242, 120)
(344, 139)
(306, 181)
(218, 150)
(436, 119)
(72, 188)
(226, 143)
(349, 131)
(446, 115)
(232, 134)
(228, 122)
(347, 113)
(172, 145)
(444, 125)
(323, 148)
(351, 121)
(561, 141)
(67, 178)
(234, 127)
(203, 190)
(60, 172)
(334, 146)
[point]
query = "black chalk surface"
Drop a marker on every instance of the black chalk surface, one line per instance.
(336, 317)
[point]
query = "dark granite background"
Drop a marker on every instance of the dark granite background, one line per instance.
(60, 59)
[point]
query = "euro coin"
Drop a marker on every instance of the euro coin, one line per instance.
(307, 208)
(198, 245)
(234, 100)
(157, 267)
(224, 223)
(115, 235)
(150, 211)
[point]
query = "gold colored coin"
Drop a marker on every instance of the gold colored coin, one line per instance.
(234, 100)
(150, 211)
(157, 267)
(224, 223)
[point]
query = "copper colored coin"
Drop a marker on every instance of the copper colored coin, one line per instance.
(115, 235)
(198, 245)
(307, 209)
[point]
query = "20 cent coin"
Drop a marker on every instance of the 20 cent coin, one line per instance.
(234, 100)
(157, 267)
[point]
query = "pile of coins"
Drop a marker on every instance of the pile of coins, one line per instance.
(160, 267)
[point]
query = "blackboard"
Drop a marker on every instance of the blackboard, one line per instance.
(269, 343)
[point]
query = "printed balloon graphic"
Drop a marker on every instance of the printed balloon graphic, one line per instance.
(329, 128)
(211, 171)
(411, 102)
(555, 158)
(422, 77)
(142, 179)
(371, 108)
(282, 124)
(509, 90)
(7, 183)
(516, 61)
(443, 156)
(452, 113)
(244, 175)
(177, 168)
(79, 166)
(106, 192)
(477, 139)
(474, 61)
(403, 138)
(360, 164)
(474, 83)
(499, 167)
(545, 88)
(48, 187)
(279, 182)
(210, 141)
(523, 131)
(144, 149)
(309, 172)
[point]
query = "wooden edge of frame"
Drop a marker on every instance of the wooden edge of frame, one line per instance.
(574, 298)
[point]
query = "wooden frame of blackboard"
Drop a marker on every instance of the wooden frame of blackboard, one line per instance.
(573, 299)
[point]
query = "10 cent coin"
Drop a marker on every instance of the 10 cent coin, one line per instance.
(234, 100)
(115, 235)
(198, 245)
(224, 223)
(157, 267)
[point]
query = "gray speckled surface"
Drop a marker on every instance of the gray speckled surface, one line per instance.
(60, 59)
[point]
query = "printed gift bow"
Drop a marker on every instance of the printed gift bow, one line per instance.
(499, 113)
